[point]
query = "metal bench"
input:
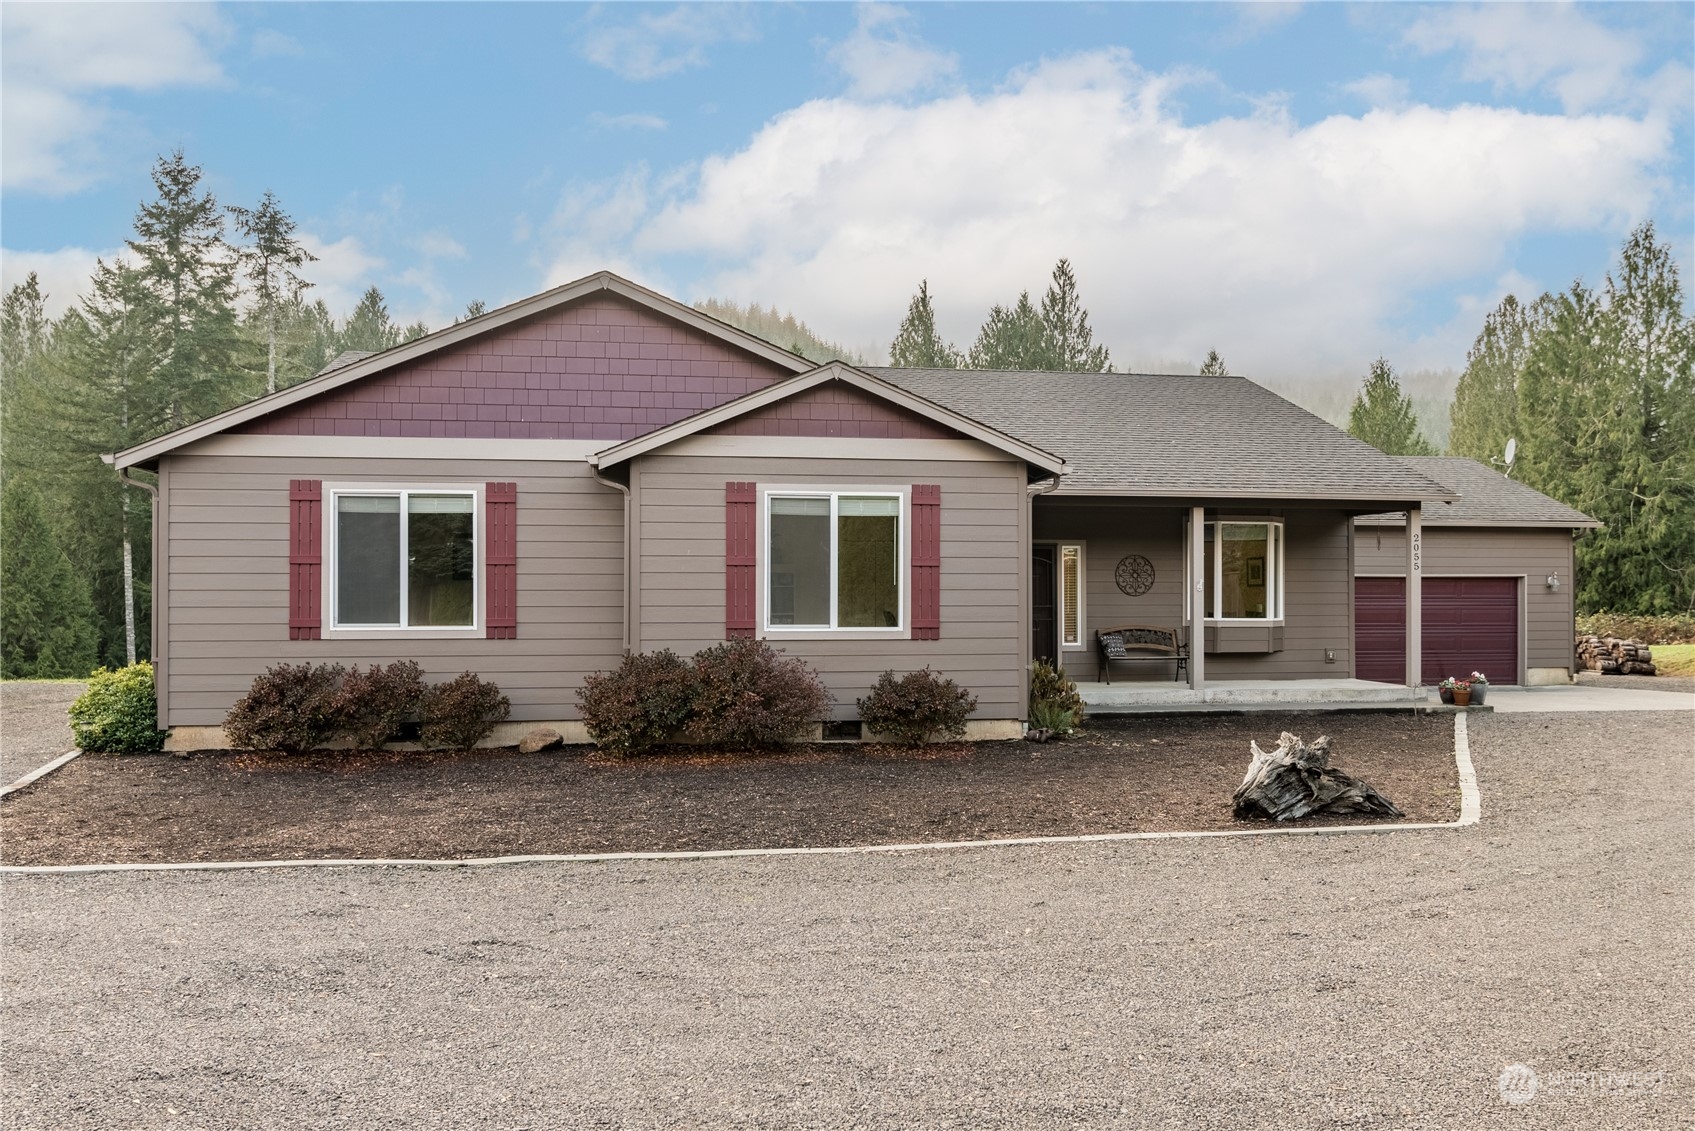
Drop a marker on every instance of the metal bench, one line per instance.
(1139, 643)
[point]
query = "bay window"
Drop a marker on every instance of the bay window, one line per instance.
(833, 560)
(404, 559)
(1243, 570)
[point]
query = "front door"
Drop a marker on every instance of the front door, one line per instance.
(1044, 611)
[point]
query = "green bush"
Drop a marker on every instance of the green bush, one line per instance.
(644, 702)
(916, 706)
(119, 713)
(372, 706)
(460, 713)
(1054, 702)
(751, 696)
(292, 708)
(1677, 628)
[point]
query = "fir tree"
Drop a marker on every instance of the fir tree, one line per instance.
(46, 619)
(1010, 338)
(369, 327)
(1213, 366)
(271, 260)
(917, 344)
(1484, 414)
(476, 308)
(1382, 415)
(1067, 342)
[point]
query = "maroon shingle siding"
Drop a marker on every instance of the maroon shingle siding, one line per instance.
(601, 369)
(835, 409)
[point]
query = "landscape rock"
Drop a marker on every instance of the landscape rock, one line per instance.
(542, 738)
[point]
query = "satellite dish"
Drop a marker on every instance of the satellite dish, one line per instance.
(1512, 450)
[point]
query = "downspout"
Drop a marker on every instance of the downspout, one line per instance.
(594, 470)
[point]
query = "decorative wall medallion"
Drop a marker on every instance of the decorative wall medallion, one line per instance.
(1135, 575)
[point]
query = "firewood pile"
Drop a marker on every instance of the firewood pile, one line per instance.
(1611, 656)
(1294, 780)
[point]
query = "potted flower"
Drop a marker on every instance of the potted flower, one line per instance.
(1445, 690)
(1462, 693)
(1479, 688)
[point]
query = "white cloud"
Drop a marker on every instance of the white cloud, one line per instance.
(58, 58)
(345, 268)
(439, 245)
(63, 273)
(1550, 47)
(627, 121)
(268, 43)
(663, 43)
(1380, 90)
(882, 59)
(1292, 247)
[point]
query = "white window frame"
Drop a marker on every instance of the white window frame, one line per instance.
(1274, 561)
(333, 629)
(903, 567)
(1060, 548)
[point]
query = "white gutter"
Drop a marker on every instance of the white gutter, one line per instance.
(594, 470)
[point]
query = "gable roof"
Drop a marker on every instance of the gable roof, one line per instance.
(1487, 498)
(349, 367)
(848, 374)
(1156, 435)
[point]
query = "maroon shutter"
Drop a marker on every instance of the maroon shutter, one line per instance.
(305, 559)
(926, 561)
(740, 558)
(500, 559)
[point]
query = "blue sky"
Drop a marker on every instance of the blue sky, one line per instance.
(1301, 187)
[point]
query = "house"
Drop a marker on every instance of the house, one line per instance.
(599, 468)
(1498, 592)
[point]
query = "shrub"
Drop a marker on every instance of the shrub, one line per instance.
(641, 704)
(119, 713)
(373, 705)
(1678, 628)
(1050, 716)
(292, 708)
(458, 714)
(1054, 698)
(750, 695)
(915, 706)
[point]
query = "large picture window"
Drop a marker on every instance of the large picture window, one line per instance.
(1244, 571)
(405, 559)
(833, 561)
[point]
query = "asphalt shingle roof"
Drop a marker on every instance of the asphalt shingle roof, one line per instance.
(1172, 435)
(1487, 498)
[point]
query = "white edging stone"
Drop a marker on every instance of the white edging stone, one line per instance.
(40, 772)
(1470, 814)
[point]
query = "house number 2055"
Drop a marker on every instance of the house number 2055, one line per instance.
(1417, 552)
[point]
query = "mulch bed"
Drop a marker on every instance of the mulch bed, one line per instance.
(1125, 775)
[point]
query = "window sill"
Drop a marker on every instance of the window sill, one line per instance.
(836, 634)
(468, 632)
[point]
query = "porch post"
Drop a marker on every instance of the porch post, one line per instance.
(1197, 597)
(1415, 596)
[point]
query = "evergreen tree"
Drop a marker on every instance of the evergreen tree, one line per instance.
(1067, 342)
(1382, 415)
(46, 619)
(476, 308)
(190, 274)
(1010, 339)
(24, 338)
(369, 327)
(1213, 366)
(1484, 414)
(307, 340)
(917, 344)
(415, 331)
(271, 260)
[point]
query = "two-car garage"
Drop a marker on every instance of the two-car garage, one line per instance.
(1498, 582)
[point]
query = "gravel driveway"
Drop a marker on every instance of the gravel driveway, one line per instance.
(33, 728)
(1366, 980)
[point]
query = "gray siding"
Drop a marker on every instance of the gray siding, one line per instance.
(678, 502)
(225, 605)
(1548, 618)
(1317, 589)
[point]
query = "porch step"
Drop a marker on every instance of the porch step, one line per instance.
(1243, 695)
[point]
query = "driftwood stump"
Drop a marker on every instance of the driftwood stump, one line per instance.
(1296, 780)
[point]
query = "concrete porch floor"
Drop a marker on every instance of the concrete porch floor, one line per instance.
(1245, 695)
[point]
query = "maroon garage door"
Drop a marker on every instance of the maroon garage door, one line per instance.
(1470, 624)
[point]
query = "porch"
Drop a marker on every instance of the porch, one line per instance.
(1245, 695)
